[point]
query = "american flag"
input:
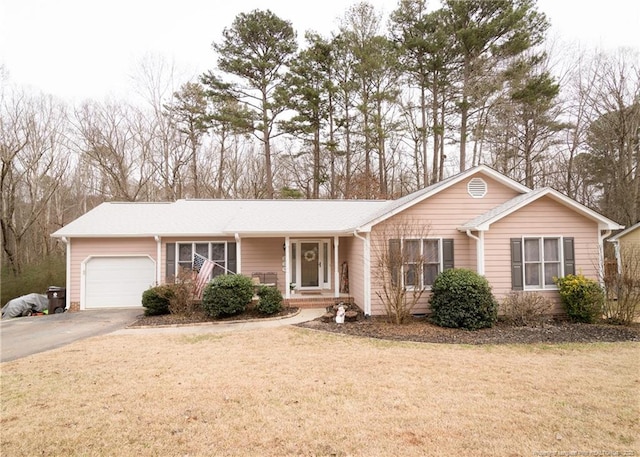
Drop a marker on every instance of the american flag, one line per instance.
(204, 267)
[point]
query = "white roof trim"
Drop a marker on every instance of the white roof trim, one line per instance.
(617, 236)
(397, 206)
(484, 221)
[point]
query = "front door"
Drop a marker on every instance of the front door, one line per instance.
(310, 264)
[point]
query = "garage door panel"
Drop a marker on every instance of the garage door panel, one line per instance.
(117, 282)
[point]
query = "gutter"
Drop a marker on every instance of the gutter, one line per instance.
(367, 270)
(601, 255)
(479, 250)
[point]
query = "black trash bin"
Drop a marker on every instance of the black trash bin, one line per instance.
(57, 299)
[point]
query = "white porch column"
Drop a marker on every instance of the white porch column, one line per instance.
(238, 253)
(158, 259)
(336, 267)
(366, 247)
(287, 269)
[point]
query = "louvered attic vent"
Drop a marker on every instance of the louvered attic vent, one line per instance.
(477, 188)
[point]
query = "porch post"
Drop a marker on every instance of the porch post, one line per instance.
(158, 240)
(287, 267)
(336, 268)
(238, 253)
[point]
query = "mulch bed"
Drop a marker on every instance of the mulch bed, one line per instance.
(200, 317)
(419, 329)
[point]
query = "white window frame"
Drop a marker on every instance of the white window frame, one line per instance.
(421, 285)
(209, 244)
(541, 270)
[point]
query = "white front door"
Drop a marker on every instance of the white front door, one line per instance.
(311, 264)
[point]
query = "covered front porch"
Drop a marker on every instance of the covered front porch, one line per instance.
(310, 270)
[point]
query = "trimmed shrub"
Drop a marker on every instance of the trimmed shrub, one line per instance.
(227, 295)
(582, 298)
(270, 301)
(523, 309)
(462, 299)
(157, 299)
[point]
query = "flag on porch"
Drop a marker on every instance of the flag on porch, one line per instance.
(204, 267)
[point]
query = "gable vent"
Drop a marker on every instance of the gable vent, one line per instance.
(477, 188)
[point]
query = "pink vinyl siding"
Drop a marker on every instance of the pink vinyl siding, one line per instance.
(351, 250)
(544, 217)
(437, 217)
(264, 255)
(83, 248)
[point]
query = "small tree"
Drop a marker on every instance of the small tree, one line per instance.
(622, 288)
(400, 266)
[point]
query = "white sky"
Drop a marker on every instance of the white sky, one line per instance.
(78, 49)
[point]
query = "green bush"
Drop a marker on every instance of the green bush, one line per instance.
(582, 298)
(227, 295)
(156, 300)
(462, 299)
(270, 300)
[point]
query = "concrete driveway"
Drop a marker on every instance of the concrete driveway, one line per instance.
(22, 336)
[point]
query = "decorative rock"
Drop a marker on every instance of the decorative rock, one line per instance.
(351, 316)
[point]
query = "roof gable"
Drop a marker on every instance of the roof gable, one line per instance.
(397, 206)
(484, 221)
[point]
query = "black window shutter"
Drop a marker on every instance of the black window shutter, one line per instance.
(569, 257)
(170, 262)
(516, 264)
(447, 253)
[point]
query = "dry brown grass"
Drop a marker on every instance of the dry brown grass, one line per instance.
(291, 391)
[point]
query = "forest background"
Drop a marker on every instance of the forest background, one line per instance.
(378, 108)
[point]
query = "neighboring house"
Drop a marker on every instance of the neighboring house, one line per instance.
(329, 250)
(627, 249)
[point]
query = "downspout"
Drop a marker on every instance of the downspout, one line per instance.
(601, 255)
(616, 248)
(158, 259)
(479, 250)
(67, 242)
(238, 253)
(367, 271)
(287, 269)
(336, 267)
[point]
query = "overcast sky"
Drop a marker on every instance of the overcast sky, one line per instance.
(78, 49)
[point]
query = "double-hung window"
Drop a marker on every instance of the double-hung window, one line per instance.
(416, 262)
(181, 256)
(535, 261)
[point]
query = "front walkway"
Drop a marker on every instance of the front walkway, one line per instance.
(304, 315)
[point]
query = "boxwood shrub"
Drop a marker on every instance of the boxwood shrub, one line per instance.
(227, 295)
(462, 299)
(156, 300)
(270, 301)
(582, 298)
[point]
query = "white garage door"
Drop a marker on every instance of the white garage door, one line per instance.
(117, 282)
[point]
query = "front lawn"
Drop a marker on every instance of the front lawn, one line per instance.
(293, 391)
